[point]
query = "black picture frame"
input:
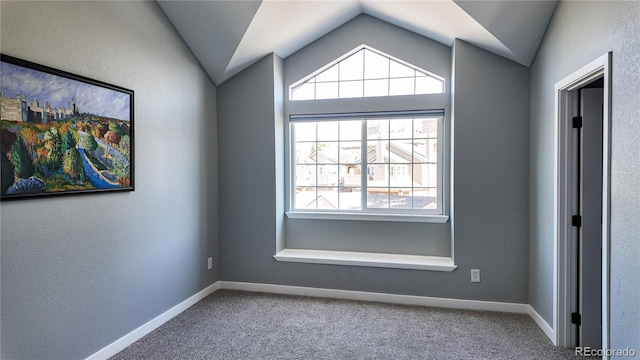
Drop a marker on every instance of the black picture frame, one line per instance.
(62, 133)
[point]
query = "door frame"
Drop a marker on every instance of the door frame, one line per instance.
(562, 269)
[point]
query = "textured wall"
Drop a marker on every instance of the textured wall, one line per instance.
(492, 230)
(80, 272)
(580, 32)
(491, 133)
(246, 117)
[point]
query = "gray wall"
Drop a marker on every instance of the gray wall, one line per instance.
(580, 32)
(490, 150)
(248, 202)
(80, 272)
(491, 169)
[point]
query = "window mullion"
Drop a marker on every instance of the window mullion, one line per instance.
(339, 80)
(293, 168)
(440, 164)
(315, 89)
(388, 163)
(413, 157)
(389, 79)
(364, 167)
(317, 168)
(339, 163)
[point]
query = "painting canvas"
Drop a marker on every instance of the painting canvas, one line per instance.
(61, 133)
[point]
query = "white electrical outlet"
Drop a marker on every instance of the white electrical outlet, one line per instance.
(210, 263)
(475, 275)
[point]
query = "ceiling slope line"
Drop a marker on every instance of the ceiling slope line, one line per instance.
(519, 25)
(228, 36)
(290, 25)
(446, 21)
(211, 29)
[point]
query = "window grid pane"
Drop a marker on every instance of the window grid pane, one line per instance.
(408, 162)
(327, 90)
(351, 89)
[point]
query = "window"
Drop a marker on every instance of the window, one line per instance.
(366, 72)
(402, 154)
(364, 162)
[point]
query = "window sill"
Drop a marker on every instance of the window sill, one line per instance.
(440, 219)
(396, 261)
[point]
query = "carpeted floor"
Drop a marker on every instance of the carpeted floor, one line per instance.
(244, 325)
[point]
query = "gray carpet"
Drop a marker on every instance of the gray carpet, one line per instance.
(244, 325)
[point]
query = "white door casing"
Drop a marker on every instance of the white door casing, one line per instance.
(563, 231)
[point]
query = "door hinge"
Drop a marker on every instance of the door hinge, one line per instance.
(576, 220)
(576, 318)
(577, 122)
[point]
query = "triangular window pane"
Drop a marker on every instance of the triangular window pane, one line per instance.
(399, 70)
(428, 85)
(304, 92)
(331, 74)
(366, 72)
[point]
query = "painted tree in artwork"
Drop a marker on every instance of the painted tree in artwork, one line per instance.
(68, 141)
(30, 138)
(121, 170)
(115, 127)
(53, 144)
(98, 131)
(112, 137)
(23, 167)
(72, 165)
(125, 146)
(7, 173)
(89, 143)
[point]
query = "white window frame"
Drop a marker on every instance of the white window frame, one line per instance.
(386, 214)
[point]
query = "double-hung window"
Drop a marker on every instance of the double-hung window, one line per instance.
(367, 163)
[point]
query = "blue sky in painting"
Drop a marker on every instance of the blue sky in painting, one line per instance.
(58, 91)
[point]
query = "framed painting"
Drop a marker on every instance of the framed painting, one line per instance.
(61, 133)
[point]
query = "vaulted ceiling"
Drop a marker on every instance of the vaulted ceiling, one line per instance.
(227, 36)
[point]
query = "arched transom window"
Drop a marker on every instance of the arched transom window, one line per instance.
(366, 72)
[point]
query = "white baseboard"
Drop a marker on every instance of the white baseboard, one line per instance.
(542, 324)
(378, 297)
(119, 345)
(151, 325)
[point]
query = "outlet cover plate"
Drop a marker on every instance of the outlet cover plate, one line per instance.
(475, 275)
